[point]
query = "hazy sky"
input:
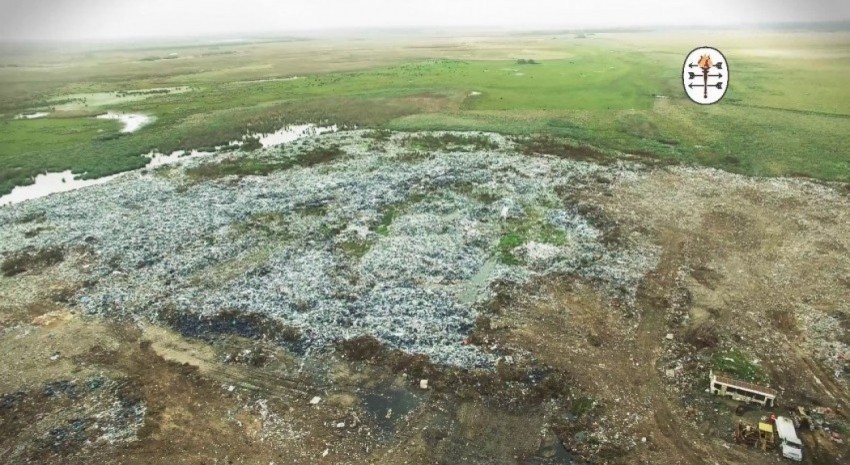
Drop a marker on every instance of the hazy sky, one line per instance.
(116, 19)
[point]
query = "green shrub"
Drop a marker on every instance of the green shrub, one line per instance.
(737, 365)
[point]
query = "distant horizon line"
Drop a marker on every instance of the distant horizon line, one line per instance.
(307, 34)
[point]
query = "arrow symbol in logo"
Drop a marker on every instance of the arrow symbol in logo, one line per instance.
(692, 75)
(719, 65)
(719, 85)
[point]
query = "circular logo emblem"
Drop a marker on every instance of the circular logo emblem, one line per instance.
(705, 75)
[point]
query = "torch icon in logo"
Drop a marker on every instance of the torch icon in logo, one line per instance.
(705, 75)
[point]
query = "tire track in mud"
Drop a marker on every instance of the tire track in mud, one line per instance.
(824, 380)
(652, 297)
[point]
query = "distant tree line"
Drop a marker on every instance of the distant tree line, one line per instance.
(526, 61)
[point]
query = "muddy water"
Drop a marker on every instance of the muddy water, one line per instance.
(477, 285)
(551, 452)
(387, 407)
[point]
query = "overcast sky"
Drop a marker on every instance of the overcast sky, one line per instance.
(121, 19)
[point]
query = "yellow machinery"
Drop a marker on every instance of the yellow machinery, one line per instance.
(766, 439)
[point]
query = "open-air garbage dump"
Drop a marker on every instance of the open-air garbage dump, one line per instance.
(424, 233)
(365, 282)
(367, 244)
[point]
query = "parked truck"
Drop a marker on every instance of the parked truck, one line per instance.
(789, 443)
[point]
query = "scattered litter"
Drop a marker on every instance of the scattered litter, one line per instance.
(156, 242)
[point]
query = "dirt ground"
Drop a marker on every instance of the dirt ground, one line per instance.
(760, 266)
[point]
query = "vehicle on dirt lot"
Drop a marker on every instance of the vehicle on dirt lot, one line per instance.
(742, 391)
(789, 443)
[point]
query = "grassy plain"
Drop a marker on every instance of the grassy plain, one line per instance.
(787, 111)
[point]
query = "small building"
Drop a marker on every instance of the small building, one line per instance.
(742, 391)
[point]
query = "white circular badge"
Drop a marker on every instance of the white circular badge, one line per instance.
(705, 75)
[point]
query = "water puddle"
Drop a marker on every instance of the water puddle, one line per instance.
(551, 452)
(40, 114)
(132, 121)
(72, 102)
(291, 133)
(257, 81)
(49, 183)
(477, 285)
(386, 408)
(161, 159)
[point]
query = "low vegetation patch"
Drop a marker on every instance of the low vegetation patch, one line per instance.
(263, 167)
(479, 193)
(393, 211)
(413, 156)
(582, 406)
(507, 244)
(320, 155)
(250, 144)
(383, 228)
(737, 365)
(549, 234)
(313, 210)
(32, 217)
(378, 138)
(268, 224)
(532, 228)
(548, 145)
(30, 259)
(236, 167)
(355, 249)
(456, 142)
(381, 135)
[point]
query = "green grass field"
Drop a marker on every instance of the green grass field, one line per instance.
(787, 111)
